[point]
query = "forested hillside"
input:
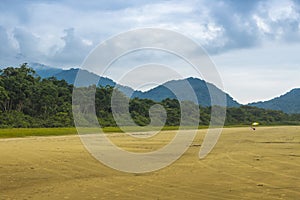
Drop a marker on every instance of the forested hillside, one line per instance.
(200, 88)
(26, 100)
(289, 102)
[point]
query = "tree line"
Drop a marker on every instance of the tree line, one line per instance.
(26, 100)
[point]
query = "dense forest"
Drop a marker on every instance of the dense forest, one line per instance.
(26, 100)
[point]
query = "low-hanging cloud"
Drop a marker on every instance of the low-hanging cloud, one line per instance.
(7, 51)
(74, 49)
(28, 44)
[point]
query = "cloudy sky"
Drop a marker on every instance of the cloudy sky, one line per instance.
(255, 45)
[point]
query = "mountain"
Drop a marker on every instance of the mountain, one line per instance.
(44, 71)
(289, 102)
(201, 88)
(158, 93)
(69, 76)
(88, 78)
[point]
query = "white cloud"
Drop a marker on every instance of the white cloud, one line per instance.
(282, 10)
(218, 26)
(261, 24)
(279, 19)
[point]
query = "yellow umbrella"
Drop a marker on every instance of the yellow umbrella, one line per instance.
(255, 123)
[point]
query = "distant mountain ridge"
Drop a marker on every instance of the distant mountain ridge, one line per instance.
(289, 102)
(69, 76)
(44, 71)
(200, 87)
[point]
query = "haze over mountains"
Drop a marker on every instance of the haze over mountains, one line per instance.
(288, 102)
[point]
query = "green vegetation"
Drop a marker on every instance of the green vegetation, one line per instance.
(27, 101)
(245, 115)
(22, 132)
